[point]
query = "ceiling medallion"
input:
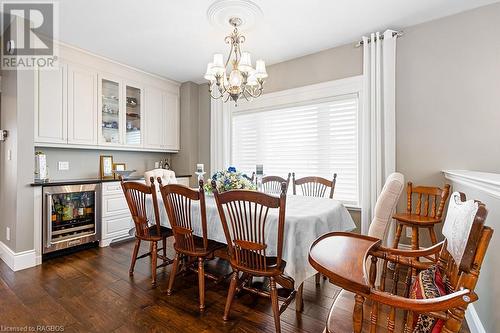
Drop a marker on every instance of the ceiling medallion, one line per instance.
(242, 80)
(221, 11)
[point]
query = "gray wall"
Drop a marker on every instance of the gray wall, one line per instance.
(448, 83)
(332, 64)
(17, 173)
(185, 161)
(84, 163)
(204, 126)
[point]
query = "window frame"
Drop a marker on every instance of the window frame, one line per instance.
(305, 95)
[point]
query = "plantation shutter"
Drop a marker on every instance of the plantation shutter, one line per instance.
(315, 139)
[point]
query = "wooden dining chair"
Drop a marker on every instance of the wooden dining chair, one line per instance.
(272, 184)
(147, 230)
(434, 301)
(245, 219)
(178, 201)
(426, 213)
(314, 186)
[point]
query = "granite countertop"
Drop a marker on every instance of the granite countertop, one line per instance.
(62, 182)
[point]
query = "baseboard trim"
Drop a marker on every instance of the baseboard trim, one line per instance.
(473, 321)
(18, 260)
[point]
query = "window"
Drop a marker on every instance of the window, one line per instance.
(317, 138)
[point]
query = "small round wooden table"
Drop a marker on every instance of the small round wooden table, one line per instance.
(341, 256)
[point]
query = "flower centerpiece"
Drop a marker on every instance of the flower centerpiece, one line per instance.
(230, 179)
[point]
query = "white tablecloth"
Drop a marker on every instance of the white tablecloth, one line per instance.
(306, 219)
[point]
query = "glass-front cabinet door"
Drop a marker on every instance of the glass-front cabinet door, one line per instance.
(133, 116)
(111, 112)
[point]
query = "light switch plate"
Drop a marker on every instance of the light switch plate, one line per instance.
(7, 233)
(408, 232)
(63, 165)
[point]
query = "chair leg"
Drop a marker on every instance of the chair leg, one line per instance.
(432, 233)
(164, 243)
(134, 256)
(173, 271)
(230, 295)
(317, 277)
(201, 283)
(358, 314)
(299, 301)
(154, 254)
(414, 238)
(397, 237)
(275, 306)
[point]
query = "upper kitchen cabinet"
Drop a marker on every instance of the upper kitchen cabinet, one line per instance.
(172, 134)
(82, 105)
(133, 115)
(155, 124)
(110, 111)
(162, 120)
(50, 105)
(91, 102)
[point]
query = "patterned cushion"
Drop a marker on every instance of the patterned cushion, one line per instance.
(428, 284)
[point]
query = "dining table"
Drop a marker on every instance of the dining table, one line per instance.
(306, 218)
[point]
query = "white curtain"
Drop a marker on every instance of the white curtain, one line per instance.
(220, 135)
(378, 119)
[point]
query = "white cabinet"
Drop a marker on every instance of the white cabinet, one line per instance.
(82, 105)
(89, 102)
(162, 119)
(183, 181)
(50, 105)
(155, 126)
(116, 218)
(110, 115)
(172, 141)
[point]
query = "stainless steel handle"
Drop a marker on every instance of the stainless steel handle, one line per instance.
(48, 216)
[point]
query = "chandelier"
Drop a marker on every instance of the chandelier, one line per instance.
(242, 80)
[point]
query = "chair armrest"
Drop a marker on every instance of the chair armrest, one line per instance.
(442, 303)
(413, 253)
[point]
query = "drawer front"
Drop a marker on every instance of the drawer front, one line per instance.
(110, 188)
(117, 224)
(114, 205)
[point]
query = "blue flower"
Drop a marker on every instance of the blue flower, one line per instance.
(231, 169)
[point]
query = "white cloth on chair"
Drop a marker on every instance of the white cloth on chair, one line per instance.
(167, 177)
(385, 206)
(458, 224)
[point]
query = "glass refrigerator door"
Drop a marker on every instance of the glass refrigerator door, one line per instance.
(72, 216)
(110, 111)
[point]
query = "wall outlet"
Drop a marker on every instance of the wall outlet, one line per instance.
(7, 233)
(63, 165)
(408, 233)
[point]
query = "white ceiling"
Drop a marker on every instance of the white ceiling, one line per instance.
(174, 39)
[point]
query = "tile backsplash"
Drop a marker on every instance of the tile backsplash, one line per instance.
(84, 163)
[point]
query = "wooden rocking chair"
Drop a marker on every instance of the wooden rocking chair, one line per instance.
(350, 261)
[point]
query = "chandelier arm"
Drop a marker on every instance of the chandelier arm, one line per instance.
(244, 93)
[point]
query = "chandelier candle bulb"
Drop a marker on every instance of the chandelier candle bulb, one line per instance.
(218, 63)
(209, 75)
(260, 69)
(245, 64)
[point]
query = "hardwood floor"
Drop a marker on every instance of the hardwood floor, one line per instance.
(91, 291)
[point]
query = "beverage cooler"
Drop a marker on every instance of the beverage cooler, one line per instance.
(71, 216)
